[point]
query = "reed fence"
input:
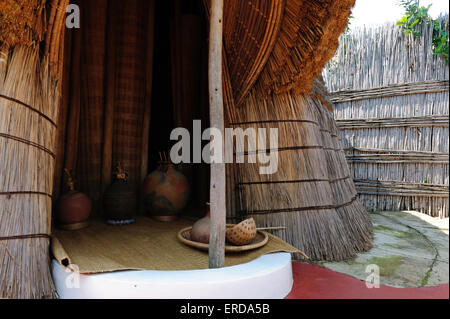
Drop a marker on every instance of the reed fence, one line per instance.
(391, 103)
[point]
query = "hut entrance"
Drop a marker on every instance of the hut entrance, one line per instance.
(134, 71)
(180, 87)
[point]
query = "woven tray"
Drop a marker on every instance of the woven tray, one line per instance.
(260, 240)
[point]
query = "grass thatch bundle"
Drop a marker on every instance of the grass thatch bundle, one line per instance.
(21, 22)
(312, 193)
(28, 108)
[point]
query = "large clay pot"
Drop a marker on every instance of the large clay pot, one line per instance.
(119, 200)
(166, 192)
(201, 229)
(73, 208)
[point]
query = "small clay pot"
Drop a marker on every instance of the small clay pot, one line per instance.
(201, 229)
(73, 210)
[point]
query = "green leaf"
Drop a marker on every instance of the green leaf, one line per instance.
(403, 19)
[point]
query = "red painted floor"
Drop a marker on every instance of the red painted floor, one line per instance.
(315, 282)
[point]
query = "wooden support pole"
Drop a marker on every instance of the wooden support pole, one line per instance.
(218, 180)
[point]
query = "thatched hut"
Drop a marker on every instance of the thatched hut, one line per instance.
(112, 90)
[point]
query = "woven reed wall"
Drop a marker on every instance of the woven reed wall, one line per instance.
(105, 95)
(391, 100)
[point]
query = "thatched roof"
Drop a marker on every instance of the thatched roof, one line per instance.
(277, 44)
(281, 45)
(21, 22)
(34, 23)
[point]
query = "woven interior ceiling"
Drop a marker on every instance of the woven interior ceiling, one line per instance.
(250, 32)
(307, 40)
(280, 45)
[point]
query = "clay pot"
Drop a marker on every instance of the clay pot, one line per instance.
(119, 201)
(166, 192)
(73, 210)
(200, 230)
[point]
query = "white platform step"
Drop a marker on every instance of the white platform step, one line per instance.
(269, 276)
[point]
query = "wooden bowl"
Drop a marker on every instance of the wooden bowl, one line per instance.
(260, 240)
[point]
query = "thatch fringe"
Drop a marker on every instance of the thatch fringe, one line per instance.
(26, 174)
(311, 193)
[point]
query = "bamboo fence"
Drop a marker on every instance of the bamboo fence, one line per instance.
(391, 103)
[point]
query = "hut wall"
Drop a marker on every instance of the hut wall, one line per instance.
(104, 95)
(312, 193)
(120, 63)
(391, 101)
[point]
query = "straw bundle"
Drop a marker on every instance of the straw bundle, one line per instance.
(27, 130)
(21, 22)
(312, 192)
